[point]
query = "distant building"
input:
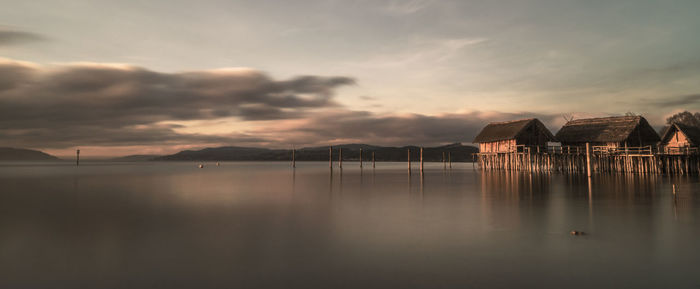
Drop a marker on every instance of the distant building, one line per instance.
(680, 138)
(611, 132)
(502, 137)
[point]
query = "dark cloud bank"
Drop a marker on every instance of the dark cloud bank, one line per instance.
(677, 101)
(10, 36)
(345, 126)
(110, 105)
(91, 104)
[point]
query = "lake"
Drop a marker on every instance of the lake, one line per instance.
(266, 225)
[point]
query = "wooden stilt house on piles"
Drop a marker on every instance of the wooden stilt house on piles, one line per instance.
(596, 145)
(509, 136)
(620, 134)
(680, 139)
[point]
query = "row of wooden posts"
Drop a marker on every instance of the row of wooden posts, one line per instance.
(445, 162)
(589, 163)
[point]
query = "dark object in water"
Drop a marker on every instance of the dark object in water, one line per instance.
(577, 233)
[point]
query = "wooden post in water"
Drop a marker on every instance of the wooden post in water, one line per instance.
(409, 160)
(449, 158)
(294, 160)
(360, 157)
(588, 159)
(444, 162)
(77, 158)
(421, 160)
(330, 157)
(340, 158)
(674, 191)
(373, 166)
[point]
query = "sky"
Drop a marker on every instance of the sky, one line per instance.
(155, 77)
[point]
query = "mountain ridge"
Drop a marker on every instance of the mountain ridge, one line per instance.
(18, 154)
(351, 152)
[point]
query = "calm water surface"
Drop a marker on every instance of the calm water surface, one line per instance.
(264, 225)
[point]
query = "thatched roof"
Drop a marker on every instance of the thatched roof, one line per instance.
(691, 132)
(497, 131)
(664, 131)
(606, 129)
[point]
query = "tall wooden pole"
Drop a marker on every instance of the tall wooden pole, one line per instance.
(340, 158)
(588, 159)
(373, 165)
(330, 157)
(421, 159)
(77, 158)
(449, 158)
(360, 157)
(409, 160)
(294, 160)
(444, 161)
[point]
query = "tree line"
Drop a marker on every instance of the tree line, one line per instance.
(686, 117)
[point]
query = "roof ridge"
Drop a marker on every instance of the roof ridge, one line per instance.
(604, 129)
(637, 118)
(512, 121)
(608, 117)
(496, 131)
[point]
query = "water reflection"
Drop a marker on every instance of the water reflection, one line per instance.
(262, 225)
(330, 182)
(294, 180)
(510, 197)
(514, 185)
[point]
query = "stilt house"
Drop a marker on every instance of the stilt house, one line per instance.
(502, 137)
(680, 138)
(610, 132)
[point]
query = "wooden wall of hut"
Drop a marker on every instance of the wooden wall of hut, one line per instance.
(497, 146)
(571, 160)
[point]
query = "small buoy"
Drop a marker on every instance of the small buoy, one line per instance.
(577, 233)
(201, 166)
(217, 164)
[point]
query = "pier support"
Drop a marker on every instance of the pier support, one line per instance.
(444, 161)
(421, 160)
(360, 157)
(588, 159)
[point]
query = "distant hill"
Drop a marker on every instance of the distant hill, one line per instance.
(135, 158)
(351, 152)
(13, 154)
(227, 154)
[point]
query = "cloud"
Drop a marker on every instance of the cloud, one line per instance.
(405, 7)
(10, 36)
(429, 53)
(71, 136)
(678, 101)
(108, 104)
(347, 126)
(118, 105)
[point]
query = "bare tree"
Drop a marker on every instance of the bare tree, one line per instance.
(568, 116)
